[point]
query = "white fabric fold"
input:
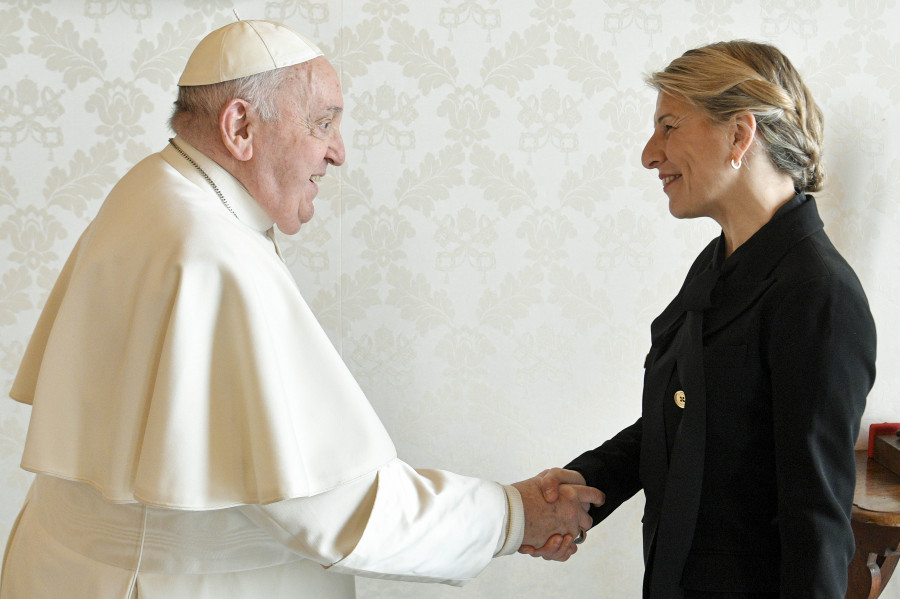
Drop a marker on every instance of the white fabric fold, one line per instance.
(176, 364)
(429, 526)
(69, 542)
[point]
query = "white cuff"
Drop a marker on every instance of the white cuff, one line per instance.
(515, 522)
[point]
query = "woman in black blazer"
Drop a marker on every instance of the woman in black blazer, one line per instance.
(758, 370)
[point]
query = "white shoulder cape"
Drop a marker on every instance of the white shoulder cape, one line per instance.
(176, 363)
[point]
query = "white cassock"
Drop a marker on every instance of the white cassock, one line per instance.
(195, 434)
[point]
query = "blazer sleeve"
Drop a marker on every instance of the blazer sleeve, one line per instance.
(822, 362)
(613, 468)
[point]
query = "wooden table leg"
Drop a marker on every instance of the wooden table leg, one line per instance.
(888, 563)
(875, 559)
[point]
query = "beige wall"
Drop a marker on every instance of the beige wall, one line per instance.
(490, 257)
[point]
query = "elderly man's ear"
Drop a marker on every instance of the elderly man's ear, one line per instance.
(235, 128)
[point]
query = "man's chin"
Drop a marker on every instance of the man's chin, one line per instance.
(291, 227)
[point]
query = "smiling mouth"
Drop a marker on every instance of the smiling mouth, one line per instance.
(669, 179)
(316, 178)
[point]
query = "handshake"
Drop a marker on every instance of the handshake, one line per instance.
(556, 503)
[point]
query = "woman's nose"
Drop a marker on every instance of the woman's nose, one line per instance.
(652, 156)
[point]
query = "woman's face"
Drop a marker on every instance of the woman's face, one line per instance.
(693, 157)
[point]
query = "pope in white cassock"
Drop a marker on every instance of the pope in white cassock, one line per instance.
(193, 431)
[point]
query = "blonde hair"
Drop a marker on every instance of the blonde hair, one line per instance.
(727, 78)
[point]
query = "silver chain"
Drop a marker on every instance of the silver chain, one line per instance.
(205, 176)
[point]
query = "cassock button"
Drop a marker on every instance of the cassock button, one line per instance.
(679, 399)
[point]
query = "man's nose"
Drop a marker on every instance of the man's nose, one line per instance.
(336, 151)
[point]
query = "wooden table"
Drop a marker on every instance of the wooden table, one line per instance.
(876, 526)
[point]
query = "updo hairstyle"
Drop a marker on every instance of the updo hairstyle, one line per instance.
(727, 78)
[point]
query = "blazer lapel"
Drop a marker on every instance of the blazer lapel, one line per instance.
(747, 273)
(654, 453)
(684, 479)
(735, 300)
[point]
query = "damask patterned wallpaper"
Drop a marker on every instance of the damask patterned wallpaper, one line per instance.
(489, 258)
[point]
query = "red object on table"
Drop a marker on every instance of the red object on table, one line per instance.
(884, 428)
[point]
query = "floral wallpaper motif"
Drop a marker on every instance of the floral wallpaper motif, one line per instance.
(489, 258)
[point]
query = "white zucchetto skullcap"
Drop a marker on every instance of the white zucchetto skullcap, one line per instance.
(245, 48)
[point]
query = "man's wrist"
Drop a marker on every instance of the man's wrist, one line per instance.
(515, 522)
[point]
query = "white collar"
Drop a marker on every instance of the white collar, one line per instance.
(245, 208)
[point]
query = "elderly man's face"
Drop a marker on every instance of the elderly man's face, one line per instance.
(292, 153)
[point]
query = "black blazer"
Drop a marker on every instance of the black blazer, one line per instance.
(749, 487)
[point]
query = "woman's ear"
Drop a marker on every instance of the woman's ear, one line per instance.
(744, 133)
(235, 129)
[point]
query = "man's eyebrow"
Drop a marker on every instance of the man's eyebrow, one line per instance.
(335, 109)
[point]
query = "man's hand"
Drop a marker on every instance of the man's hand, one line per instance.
(568, 485)
(556, 503)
